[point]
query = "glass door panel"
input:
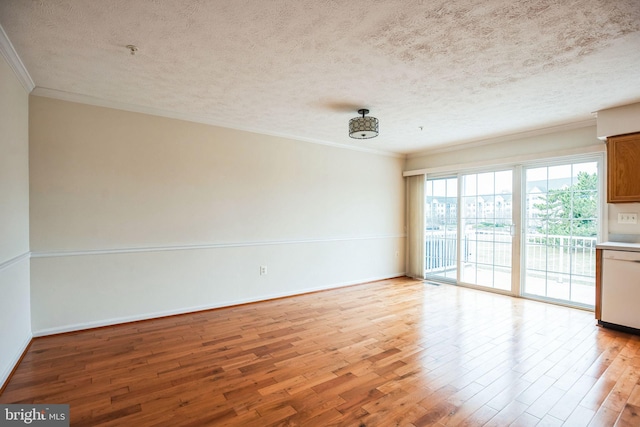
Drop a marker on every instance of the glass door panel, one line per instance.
(441, 229)
(560, 232)
(486, 223)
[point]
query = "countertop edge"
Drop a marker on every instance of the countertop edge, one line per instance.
(619, 246)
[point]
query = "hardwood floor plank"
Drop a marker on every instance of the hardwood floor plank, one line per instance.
(479, 417)
(545, 402)
(525, 420)
(507, 415)
(604, 417)
(397, 408)
(535, 390)
(549, 421)
(581, 416)
(621, 392)
(390, 353)
(630, 416)
(572, 398)
(117, 416)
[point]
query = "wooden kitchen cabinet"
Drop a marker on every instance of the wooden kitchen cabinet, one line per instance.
(623, 168)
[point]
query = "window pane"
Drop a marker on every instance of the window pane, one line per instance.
(441, 228)
(536, 175)
(452, 187)
(469, 185)
(469, 204)
(502, 254)
(559, 177)
(504, 183)
(590, 168)
(485, 183)
(486, 224)
(558, 286)
(536, 256)
(468, 273)
(439, 188)
(428, 188)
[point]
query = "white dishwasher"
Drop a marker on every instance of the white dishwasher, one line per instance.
(621, 288)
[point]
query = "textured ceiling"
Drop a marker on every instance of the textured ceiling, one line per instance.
(463, 70)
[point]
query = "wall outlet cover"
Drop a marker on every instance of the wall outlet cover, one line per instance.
(627, 218)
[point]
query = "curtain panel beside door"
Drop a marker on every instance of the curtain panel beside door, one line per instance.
(415, 226)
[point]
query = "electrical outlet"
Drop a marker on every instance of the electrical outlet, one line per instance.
(627, 218)
(263, 270)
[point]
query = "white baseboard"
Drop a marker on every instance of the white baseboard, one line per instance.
(147, 316)
(4, 376)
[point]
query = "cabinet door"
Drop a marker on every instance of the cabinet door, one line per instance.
(623, 168)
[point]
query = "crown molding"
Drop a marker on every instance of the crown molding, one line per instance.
(14, 61)
(507, 137)
(189, 117)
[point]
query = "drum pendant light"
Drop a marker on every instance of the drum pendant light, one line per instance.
(363, 127)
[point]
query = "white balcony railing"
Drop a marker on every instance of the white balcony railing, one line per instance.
(562, 254)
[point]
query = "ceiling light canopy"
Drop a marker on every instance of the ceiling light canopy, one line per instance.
(363, 127)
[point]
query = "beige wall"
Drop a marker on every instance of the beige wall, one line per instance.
(623, 232)
(172, 215)
(103, 178)
(15, 317)
(14, 166)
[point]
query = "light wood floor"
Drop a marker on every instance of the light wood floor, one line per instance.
(389, 353)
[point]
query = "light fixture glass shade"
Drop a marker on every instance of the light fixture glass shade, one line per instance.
(363, 127)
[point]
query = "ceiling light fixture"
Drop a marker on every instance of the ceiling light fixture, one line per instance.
(363, 127)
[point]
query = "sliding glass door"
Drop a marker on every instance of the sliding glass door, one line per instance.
(561, 227)
(471, 222)
(468, 236)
